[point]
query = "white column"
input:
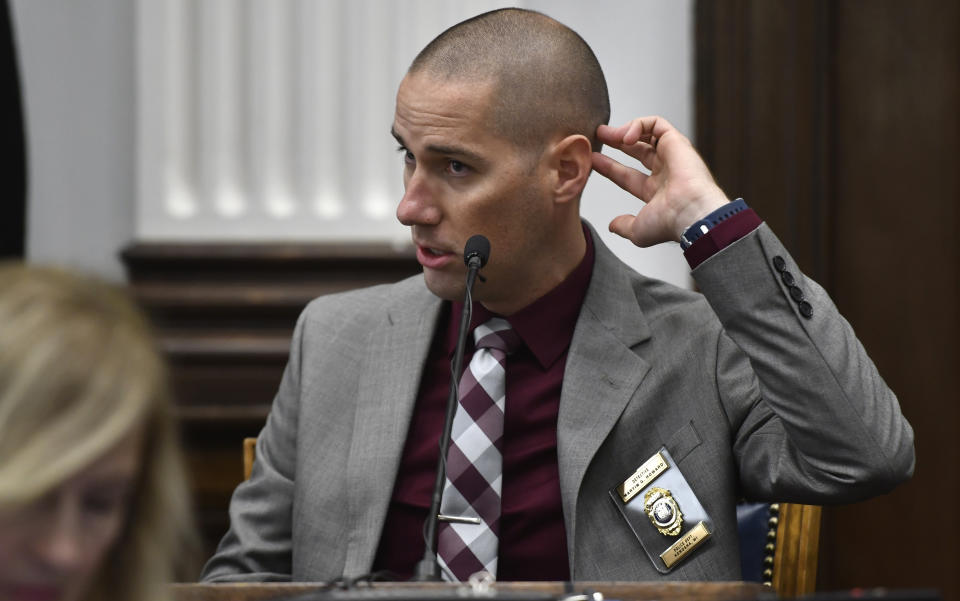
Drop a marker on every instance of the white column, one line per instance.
(369, 112)
(218, 103)
(269, 154)
(320, 130)
(165, 151)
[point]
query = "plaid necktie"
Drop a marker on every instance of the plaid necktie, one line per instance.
(468, 534)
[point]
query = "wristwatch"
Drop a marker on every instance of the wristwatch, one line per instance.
(698, 229)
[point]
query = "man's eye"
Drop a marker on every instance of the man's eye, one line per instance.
(458, 168)
(408, 157)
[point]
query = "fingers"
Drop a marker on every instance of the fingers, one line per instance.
(644, 152)
(636, 229)
(671, 160)
(620, 137)
(645, 128)
(640, 129)
(627, 178)
(632, 139)
(612, 135)
(622, 226)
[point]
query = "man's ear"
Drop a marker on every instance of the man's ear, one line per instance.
(571, 163)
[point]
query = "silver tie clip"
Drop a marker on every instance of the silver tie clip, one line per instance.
(456, 519)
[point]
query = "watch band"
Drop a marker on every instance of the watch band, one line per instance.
(698, 229)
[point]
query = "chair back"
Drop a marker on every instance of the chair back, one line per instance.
(779, 544)
(249, 454)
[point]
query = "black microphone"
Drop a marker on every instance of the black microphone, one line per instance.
(477, 251)
(475, 256)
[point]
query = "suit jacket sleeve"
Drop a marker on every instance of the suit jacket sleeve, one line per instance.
(817, 423)
(257, 547)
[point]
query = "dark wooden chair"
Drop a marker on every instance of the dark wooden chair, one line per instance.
(779, 544)
(249, 454)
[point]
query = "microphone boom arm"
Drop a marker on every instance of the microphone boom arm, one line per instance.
(475, 256)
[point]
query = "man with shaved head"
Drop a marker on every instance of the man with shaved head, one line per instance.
(616, 420)
(546, 79)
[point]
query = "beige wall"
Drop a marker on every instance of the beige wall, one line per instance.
(78, 70)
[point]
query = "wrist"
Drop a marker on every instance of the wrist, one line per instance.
(709, 221)
(698, 209)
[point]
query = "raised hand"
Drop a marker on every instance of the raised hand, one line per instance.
(679, 190)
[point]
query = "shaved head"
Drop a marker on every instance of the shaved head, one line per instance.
(547, 80)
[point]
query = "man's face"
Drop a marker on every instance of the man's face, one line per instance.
(460, 179)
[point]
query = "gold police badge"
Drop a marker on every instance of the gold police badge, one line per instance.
(663, 511)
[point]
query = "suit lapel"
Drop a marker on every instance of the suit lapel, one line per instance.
(385, 401)
(601, 376)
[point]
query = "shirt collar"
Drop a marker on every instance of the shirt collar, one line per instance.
(546, 325)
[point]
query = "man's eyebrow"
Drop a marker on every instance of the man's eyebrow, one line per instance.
(453, 151)
(456, 152)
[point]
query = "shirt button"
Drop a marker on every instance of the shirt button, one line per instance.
(779, 263)
(806, 309)
(796, 294)
(788, 278)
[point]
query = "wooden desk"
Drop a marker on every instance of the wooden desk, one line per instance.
(625, 591)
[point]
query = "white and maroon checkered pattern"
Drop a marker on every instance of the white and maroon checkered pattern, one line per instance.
(474, 460)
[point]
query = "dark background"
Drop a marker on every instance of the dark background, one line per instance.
(838, 122)
(13, 174)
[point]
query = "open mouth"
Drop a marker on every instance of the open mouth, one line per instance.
(433, 258)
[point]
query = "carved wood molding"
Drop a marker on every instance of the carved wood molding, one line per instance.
(224, 315)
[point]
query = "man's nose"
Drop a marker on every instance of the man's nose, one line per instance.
(418, 205)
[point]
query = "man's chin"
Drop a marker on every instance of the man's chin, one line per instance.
(444, 285)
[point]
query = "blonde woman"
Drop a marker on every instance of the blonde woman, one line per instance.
(93, 503)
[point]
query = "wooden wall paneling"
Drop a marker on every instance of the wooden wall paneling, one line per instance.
(838, 122)
(762, 105)
(898, 152)
(224, 314)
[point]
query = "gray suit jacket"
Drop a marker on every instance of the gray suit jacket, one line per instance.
(750, 398)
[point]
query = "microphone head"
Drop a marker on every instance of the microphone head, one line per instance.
(477, 247)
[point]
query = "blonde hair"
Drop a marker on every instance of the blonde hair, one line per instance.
(79, 371)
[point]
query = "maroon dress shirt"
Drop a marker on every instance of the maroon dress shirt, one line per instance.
(533, 543)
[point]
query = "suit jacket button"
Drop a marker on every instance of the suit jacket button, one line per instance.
(806, 309)
(779, 263)
(788, 278)
(796, 294)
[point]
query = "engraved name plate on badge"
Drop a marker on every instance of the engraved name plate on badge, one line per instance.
(663, 511)
(644, 475)
(687, 543)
